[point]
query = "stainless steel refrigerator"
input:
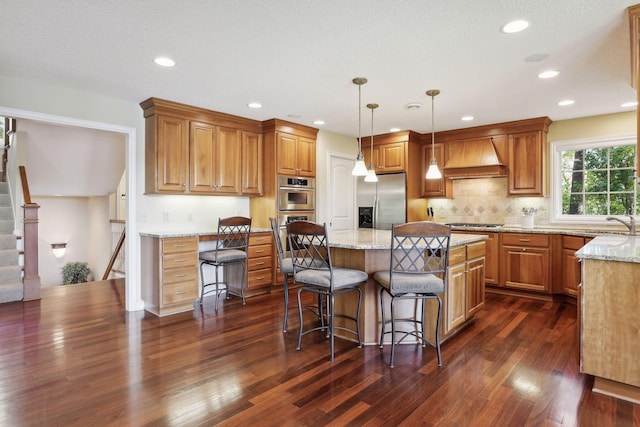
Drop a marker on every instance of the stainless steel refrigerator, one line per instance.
(384, 203)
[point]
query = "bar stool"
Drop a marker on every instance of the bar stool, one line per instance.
(231, 248)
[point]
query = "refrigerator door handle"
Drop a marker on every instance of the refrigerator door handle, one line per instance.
(375, 212)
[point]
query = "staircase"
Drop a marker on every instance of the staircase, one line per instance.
(11, 288)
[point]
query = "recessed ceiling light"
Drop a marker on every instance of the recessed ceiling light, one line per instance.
(413, 106)
(548, 74)
(515, 26)
(566, 102)
(318, 122)
(629, 104)
(537, 57)
(254, 105)
(466, 118)
(394, 130)
(164, 61)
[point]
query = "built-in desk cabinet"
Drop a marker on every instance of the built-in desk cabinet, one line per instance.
(260, 262)
(169, 274)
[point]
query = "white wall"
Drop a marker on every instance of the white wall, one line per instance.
(329, 142)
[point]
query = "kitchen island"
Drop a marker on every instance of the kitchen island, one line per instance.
(610, 318)
(369, 250)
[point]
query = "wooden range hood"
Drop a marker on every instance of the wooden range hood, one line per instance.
(474, 158)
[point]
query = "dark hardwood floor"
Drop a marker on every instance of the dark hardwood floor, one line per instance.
(77, 358)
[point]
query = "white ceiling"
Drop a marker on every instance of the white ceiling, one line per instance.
(298, 57)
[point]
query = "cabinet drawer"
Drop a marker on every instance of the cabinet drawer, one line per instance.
(259, 251)
(179, 244)
(572, 242)
(179, 292)
(457, 255)
(260, 239)
(518, 239)
(186, 259)
(259, 278)
(175, 275)
(259, 263)
(476, 250)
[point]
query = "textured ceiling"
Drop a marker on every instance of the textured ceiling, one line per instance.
(298, 57)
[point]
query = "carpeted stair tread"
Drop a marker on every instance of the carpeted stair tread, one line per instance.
(11, 291)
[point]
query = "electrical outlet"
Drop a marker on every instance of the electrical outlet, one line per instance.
(189, 217)
(165, 216)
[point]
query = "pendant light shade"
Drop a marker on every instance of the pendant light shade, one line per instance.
(360, 168)
(433, 172)
(371, 173)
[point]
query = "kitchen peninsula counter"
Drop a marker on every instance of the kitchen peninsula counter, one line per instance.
(610, 319)
(369, 250)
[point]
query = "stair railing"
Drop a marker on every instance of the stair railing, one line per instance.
(114, 256)
(31, 278)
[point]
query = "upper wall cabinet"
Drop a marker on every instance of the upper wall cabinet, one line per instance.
(527, 164)
(387, 158)
(295, 155)
(434, 188)
(189, 150)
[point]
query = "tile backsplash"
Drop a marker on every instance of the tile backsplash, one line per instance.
(485, 200)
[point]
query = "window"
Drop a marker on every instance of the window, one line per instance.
(593, 178)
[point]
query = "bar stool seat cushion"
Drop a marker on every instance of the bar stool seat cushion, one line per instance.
(286, 266)
(228, 255)
(407, 282)
(342, 277)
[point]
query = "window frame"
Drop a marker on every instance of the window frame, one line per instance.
(556, 216)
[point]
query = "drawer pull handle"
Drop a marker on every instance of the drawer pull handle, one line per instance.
(525, 240)
(260, 263)
(181, 245)
(260, 278)
(181, 275)
(260, 251)
(180, 260)
(181, 292)
(458, 256)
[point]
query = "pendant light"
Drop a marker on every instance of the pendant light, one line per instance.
(360, 169)
(433, 172)
(371, 173)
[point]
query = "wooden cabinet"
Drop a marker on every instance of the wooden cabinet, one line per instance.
(526, 261)
(527, 164)
(434, 187)
(456, 289)
(387, 158)
(167, 161)
(260, 262)
(475, 266)
(189, 150)
(252, 148)
(169, 274)
(215, 159)
(571, 276)
(295, 155)
(465, 285)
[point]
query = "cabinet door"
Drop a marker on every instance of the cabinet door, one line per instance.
(492, 258)
(391, 158)
(456, 296)
(475, 285)
(570, 272)
(202, 141)
(434, 187)
(526, 164)
(526, 268)
(306, 157)
(286, 162)
(227, 161)
(251, 163)
(172, 154)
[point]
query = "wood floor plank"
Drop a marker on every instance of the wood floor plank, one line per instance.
(77, 358)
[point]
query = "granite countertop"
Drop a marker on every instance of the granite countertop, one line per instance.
(584, 232)
(612, 248)
(381, 239)
(188, 232)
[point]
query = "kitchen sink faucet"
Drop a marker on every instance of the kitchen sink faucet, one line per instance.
(631, 224)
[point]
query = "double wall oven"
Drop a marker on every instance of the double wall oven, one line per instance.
(296, 201)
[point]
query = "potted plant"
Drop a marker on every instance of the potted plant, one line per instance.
(75, 272)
